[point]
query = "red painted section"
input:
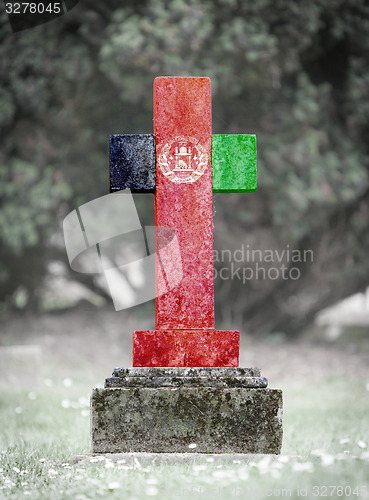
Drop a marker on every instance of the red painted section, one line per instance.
(184, 334)
(185, 348)
(182, 109)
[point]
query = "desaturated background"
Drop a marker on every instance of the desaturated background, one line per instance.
(295, 74)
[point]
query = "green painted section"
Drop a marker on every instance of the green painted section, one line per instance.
(233, 158)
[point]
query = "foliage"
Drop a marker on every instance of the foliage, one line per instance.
(295, 74)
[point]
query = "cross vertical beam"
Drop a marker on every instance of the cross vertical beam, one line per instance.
(182, 120)
(185, 334)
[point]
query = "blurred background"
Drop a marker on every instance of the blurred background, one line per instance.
(295, 74)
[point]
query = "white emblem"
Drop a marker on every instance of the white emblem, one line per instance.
(183, 160)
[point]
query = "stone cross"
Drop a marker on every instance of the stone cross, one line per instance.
(184, 164)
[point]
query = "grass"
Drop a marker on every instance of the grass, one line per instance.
(325, 451)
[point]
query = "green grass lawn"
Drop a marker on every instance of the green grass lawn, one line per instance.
(325, 451)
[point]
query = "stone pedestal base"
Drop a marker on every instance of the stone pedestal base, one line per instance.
(179, 410)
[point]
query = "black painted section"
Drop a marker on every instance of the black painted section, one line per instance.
(132, 162)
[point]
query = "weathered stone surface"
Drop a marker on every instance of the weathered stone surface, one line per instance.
(188, 377)
(132, 162)
(217, 420)
(234, 163)
(252, 382)
(207, 347)
(186, 372)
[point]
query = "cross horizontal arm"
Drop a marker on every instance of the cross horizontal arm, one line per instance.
(132, 163)
(233, 160)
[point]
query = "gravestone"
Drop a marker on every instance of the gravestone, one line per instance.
(185, 391)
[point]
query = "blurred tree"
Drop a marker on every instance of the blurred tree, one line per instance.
(295, 74)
